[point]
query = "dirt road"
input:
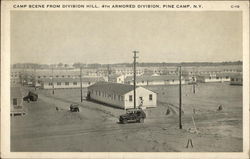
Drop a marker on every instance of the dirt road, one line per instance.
(95, 129)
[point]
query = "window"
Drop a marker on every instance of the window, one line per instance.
(50, 83)
(66, 83)
(130, 98)
(74, 83)
(14, 101)
(150, 97)
(58, 83)
(114, 96)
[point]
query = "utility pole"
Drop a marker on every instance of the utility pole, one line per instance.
(193, 78)
(180, 124)
(108, 70)
(193, 85)
(53, 91)
(135, 57)
(35, 76)
(81, 81)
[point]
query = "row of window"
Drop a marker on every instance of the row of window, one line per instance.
(150, 97)
(151, 81)
(107, 95)
(114, 96)
(57, 76)
(65, 83)
(219, 77)
(236, 79)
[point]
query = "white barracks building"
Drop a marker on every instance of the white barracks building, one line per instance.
(121, 95)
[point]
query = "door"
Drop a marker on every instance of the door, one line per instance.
(140, 102)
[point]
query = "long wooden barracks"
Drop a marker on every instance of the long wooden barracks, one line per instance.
(121, 95)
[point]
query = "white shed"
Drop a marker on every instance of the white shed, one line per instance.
(121, 95)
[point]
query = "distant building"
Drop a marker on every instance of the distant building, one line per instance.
(236, 80)
(116, 78)
(16, 102)
(121, 95)
(156, 80)
(219, 77)
(68, 82)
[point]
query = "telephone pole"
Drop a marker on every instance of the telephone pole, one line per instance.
(81, 81)
(194, 82)
(108, 70)
(35, 76)
(180, 124)
(135, 57)
(53, 91)
(193, 85)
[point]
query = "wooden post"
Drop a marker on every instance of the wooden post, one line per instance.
(53, 91)
(180, 100)
(81, 81)
(135, 52)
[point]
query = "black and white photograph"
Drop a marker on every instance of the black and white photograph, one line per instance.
(126, 80)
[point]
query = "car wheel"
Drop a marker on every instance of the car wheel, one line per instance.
(141, 120)
(124, 121)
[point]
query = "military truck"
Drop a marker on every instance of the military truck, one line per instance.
(133, 115)
(31, 97)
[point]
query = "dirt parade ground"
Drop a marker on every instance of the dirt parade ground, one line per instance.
(96, 128)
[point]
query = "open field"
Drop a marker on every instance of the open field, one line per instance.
(95, 127)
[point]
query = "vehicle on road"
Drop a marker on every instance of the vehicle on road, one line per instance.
(74, 108)
(133, 115)
(31, 97)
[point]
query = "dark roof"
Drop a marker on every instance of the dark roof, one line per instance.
(115, 88)
(85, 79)
(239, 75)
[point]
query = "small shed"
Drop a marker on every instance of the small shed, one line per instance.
(16, 101)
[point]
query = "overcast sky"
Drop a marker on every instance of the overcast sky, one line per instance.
(110, 37)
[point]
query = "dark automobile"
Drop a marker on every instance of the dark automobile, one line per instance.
(133, 115)
(31, 97)
(74, 108)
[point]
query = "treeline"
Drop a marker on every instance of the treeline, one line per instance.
(142, 64)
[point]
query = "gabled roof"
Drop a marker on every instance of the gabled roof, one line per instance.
(84, 79)
(115, 88)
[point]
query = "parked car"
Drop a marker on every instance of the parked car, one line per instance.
(133, 115)
(74, 108)
(31, 97)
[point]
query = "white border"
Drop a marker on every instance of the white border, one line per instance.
(6, 8)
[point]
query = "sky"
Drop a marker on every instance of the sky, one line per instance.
(104, 37)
